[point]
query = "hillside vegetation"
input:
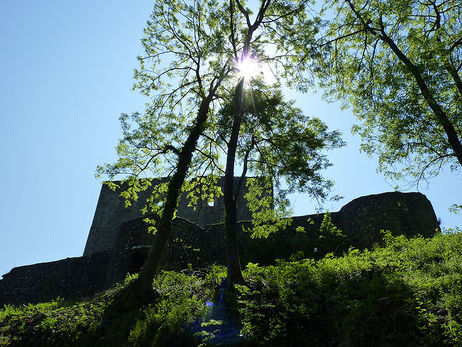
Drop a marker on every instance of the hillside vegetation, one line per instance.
(404, 292)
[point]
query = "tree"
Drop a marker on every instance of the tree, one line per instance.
(188, 72)
(181, 72)
(234, 274)
(398, 63)
(273, 23)
(277, 142)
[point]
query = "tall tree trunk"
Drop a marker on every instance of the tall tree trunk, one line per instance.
(140, 291)
(232, 248)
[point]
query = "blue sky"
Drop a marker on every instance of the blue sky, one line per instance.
(66, 75)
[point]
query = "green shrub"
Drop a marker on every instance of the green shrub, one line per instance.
(182, 307)
(406, 292)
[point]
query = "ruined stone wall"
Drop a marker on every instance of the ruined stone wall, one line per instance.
(188, 245)
(111, 213)
(361, 220)
(194, 245)
(70, 278)
(75, 278)
(408, 214)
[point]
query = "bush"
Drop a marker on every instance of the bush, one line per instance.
(407, 292)
(183, 305)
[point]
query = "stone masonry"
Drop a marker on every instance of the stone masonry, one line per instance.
(111, 213)
(196, 245)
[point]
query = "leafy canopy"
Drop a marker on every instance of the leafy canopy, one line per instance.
(191, 51)
(397, 63)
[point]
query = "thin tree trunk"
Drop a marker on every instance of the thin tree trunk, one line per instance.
(140, 291)
(232, 248)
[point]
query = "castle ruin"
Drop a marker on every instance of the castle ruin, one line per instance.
(118, 241)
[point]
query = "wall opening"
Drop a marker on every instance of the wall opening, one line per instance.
(138, 257)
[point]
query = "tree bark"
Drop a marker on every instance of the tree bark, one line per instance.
(232, 248)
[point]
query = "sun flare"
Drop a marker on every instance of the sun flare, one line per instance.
(248, 68)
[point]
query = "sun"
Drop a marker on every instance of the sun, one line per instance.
(248, 68)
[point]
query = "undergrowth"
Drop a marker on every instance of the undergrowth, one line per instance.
(406, 292)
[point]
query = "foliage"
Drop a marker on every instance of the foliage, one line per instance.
(284, 148)
(331, 239)
(189, 73)
(398, 65)
(53, 323)
(182, 63)
(182, 302)
(408, 292)
(328, 229)
(455, 208)
(180, 72)
(183, 305)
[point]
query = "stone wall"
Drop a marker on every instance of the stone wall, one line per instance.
(184, 247)
(361, 220)
(402, 213)
(70, 278)
(75, 278)
(111, 212)
(197, 246)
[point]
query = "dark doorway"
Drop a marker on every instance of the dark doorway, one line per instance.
(138, 256)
